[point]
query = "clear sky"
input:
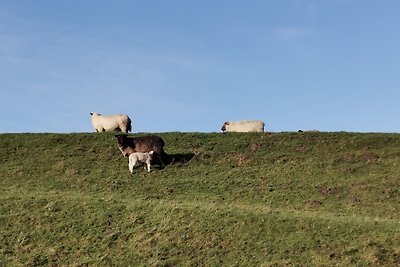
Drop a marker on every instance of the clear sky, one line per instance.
(176, 65)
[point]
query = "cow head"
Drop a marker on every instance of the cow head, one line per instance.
(122, 142)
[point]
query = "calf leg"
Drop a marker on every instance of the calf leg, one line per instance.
(148, 165)
(132, 163)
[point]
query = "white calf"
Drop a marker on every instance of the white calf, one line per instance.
(141, 157)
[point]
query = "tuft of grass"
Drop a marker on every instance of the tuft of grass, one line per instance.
(234, 199)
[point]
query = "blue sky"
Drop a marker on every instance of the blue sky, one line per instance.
(176, 65)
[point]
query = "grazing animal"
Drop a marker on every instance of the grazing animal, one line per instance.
(243, 126)
(111, 122)
(308, 131)
(140, 157)
(144, 144)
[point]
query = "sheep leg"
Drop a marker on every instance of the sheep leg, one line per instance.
(123, 129)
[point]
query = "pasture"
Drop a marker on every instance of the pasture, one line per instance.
(242, 199)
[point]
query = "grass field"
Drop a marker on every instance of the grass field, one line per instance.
(280, 199)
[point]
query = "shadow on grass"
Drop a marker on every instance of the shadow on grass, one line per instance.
(179, 158)
(173, 159)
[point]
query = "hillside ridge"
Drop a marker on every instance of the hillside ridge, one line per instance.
(242, 199)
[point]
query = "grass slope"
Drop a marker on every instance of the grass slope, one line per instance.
(286, 199)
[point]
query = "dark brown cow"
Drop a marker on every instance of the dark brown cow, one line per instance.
(129, 145)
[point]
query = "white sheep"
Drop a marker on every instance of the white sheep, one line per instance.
(140, 157)
(111, 122)
(243, 126)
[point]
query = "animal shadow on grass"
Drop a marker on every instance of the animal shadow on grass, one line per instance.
(180, 158)
(172, 159)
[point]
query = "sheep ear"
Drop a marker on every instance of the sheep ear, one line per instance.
(91, 113)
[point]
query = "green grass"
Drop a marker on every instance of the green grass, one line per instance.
(281, 199)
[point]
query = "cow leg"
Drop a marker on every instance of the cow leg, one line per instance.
(159, 157)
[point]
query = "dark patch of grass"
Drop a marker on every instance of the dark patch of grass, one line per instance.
(230, 199)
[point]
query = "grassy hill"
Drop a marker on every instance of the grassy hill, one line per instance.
(281, 199)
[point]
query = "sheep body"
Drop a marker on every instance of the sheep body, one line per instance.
(243, 126)
(103, 123)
